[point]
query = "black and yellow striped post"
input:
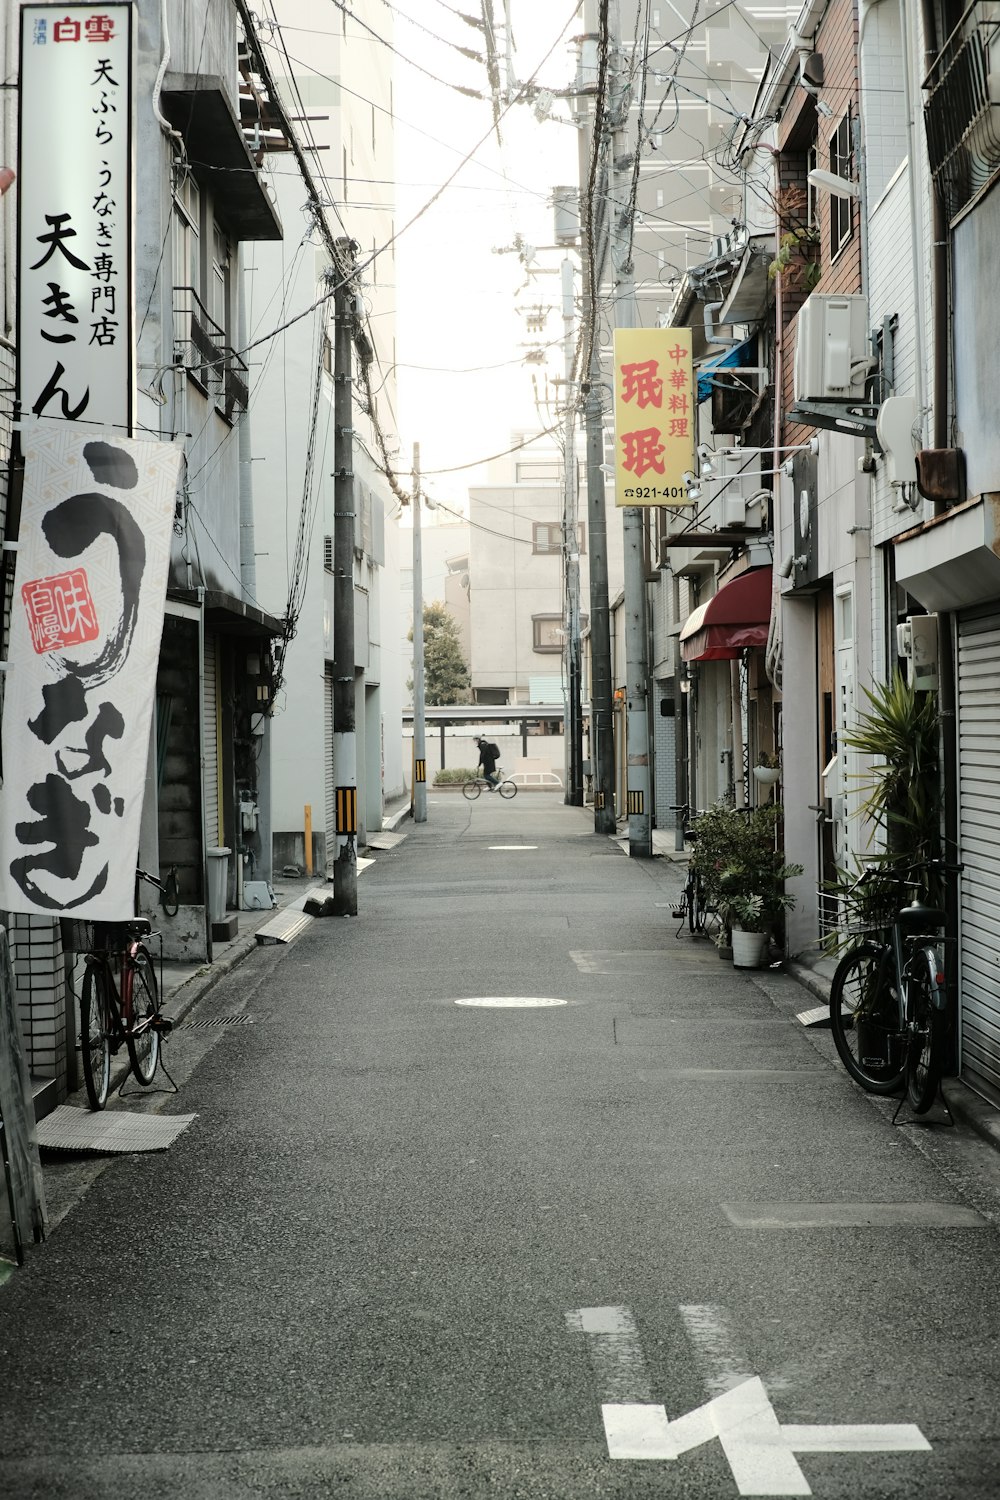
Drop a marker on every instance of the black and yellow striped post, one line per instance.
(636, 804)
(347, 810)
(420, 770)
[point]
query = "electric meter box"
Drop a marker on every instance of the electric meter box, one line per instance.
(832, 351)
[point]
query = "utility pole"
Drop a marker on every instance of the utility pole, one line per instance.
(602, 740)
(640, 827)
(419, 725)
(345, 749)
(571, 555)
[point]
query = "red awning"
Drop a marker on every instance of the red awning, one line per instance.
(736, 617)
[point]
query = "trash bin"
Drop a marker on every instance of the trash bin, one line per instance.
(218, 880)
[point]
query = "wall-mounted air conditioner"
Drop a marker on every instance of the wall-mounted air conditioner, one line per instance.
(737, 499)
(832, 350)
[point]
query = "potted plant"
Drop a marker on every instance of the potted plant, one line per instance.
(744, 874)
(766, 769)
(899, 732)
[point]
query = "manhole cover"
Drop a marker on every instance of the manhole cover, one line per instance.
(510, 1002)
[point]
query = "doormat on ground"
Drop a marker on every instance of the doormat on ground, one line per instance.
(108, 1133)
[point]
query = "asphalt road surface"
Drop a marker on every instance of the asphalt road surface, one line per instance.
(644, 1239)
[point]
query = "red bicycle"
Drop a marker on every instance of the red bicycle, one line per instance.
(120, 1002)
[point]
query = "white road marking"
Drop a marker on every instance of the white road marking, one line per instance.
(759, 1449)
(512, 846)
(615, 1352)
(510, 1002)
(637, 1431)
(902, 1437)
(720, 1362)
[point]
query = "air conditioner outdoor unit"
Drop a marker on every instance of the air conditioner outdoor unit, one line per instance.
(832, 353)
(735, 503)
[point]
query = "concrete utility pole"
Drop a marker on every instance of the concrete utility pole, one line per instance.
(640, 826)
(592, 254)
(419, 724)
(345, 749)
(571, 554)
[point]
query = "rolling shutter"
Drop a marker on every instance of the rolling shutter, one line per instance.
(211, 687)
(979, 833)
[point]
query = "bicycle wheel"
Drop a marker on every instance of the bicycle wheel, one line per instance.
(925, 1043)
(141, 1005)
(96, 1025)
(471, 789)
(864, 1018)
(695, 904)
(507, 789)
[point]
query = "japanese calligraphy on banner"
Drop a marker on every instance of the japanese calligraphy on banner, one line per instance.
(75, 282)
(86, 619)
(655, 409)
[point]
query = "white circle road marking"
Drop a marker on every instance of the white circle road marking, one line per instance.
(510, 1002)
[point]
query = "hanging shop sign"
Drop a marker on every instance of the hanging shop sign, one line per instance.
(655, 408)
(75, 282)
(86, 618)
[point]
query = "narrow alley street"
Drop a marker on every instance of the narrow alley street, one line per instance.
(411, 1245)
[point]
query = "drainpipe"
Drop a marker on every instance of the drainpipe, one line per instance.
(248, 557)
(939, 265)
(202, 730)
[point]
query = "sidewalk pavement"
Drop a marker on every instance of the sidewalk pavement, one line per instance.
(814, 972)
(185, 984)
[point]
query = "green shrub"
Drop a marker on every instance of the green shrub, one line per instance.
(454, 775)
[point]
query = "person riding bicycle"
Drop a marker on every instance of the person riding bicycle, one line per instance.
(488, 757)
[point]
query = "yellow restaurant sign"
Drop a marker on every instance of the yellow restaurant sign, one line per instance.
(655, 409)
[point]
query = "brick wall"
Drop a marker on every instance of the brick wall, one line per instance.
(801, 126)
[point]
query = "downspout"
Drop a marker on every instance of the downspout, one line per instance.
(946, 631)
(9, 143)
(248, 557)
(939, 266)
(916, 220)
(202, 730)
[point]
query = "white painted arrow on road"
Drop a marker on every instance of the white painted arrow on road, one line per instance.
(760, 1450)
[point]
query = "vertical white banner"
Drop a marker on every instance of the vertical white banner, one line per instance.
(86, 621)
(75, 283)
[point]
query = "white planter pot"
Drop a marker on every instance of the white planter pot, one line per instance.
(766, 775)
(749, 948)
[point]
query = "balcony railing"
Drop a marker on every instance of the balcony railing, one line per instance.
(200, 348)
(962, 112)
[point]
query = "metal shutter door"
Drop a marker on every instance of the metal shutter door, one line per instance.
(211, 687)
(979, 832)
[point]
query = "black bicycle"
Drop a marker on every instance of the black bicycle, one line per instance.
(120, 1003)
(888, 998)
(693, 908)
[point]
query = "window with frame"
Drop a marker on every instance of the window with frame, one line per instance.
(187, 234)
(549, 632)
(841, 164)
(547, 537)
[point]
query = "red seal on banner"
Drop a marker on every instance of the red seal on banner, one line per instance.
(61, 611)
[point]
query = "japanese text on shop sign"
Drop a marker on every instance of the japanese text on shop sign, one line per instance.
(75, 291)
(654, 415)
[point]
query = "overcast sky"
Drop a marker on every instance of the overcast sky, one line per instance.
(462, 383)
